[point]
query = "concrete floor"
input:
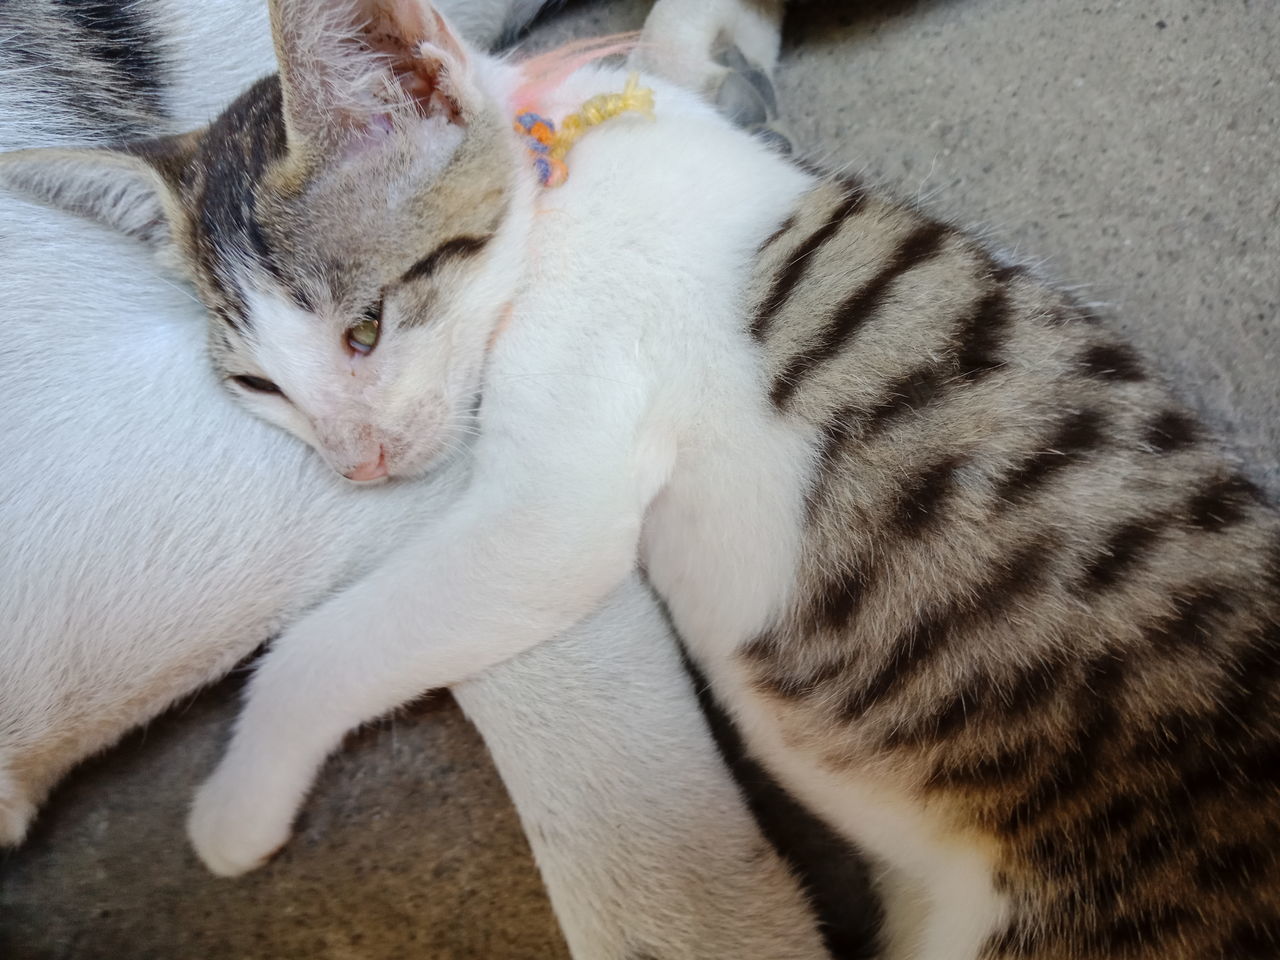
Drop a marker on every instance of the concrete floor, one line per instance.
(1135, 146)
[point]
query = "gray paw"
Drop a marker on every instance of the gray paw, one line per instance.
(739, 100)
(744, 93)
(728, 55)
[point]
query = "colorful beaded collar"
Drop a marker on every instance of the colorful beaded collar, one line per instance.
(548, 146)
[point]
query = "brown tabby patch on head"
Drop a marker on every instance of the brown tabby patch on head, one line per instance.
(1030, 587)
(260, 215)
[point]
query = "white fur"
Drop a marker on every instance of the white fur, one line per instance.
(154, 534)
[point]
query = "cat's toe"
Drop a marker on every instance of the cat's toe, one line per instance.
(739, 100)
(232, 836)
(731, 56)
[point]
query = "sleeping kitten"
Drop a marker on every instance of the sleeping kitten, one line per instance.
(971, 583)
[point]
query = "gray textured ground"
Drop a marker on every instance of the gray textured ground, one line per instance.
(1135, 145)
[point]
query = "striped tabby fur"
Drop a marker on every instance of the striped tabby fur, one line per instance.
(1034, 596)
(95, 62)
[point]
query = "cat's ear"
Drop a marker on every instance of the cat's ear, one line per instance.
(352, 68)
(135, 190)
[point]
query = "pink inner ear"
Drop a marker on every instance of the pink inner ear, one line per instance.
(548, 70)
(420, 49)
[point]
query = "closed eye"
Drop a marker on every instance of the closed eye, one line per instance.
(257, 384)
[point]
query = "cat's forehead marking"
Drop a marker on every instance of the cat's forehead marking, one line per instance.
(228, 239)
(334, 235)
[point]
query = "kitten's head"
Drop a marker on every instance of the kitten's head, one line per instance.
(355, 227)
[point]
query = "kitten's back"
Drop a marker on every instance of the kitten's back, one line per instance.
(1035, 597)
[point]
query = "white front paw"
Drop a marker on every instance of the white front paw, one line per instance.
(236, 826)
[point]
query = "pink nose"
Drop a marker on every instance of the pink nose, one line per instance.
(370, 469)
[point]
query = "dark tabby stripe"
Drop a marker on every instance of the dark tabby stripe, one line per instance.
(787, 226)
(457, 247)
(1017, 575)
(1078, 434)
(1223, 502)
(1250, 679)
(1172, 430)
(957, 711)
(1257, 938)
(910, 392)
(837, 601)
(924, 494)
(1113, 819)
(1233, 867)
(1112, 361)
(1188, 625)
(236, 319)
(1006, 273)
(1273, 570)
(786, 281)
(1012, 701)
(764, 652)
(836, 433)
(118, 35)
(982, 335)
(1147, 928)
(265, 257)
(1125, 548)
(1029, 689)
(247, 138)
(990, 772)
(920, 246)
(1077, 763)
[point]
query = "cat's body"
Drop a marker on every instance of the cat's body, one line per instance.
(973, 586)
(941, 546)
(1031, 656)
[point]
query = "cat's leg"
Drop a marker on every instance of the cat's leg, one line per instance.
(462, 600)
(640, 833)
(946, 912)
(726, 49)
(904, 905)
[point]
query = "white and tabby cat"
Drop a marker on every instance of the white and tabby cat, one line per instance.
(154, 535)
(971, 583)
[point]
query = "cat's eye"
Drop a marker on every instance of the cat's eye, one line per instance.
(257, 384)
(363, 336)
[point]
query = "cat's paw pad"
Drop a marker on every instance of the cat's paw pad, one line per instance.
(231, 834)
